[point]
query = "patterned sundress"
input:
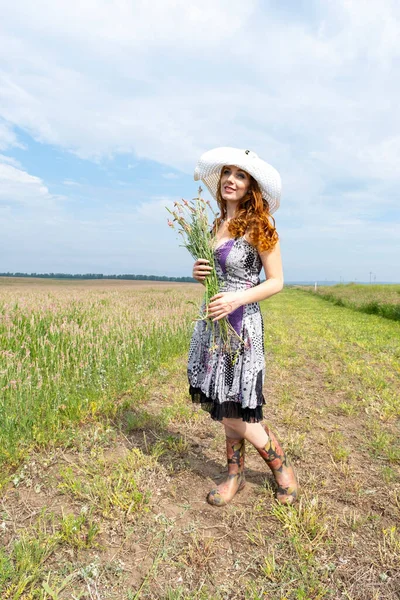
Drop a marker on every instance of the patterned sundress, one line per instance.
(226, 386)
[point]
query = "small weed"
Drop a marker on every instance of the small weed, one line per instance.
(298, 579)
(56, 588)
(257, 536)
(304, 523)
(181, 593)
(384, 445)
(389, 475)
(290, 418)
(176, 413)
(338, 452)
(396, 500)
(79, 532)
(199, 552)
(24, 565)
(139, 420)
(354, 521)
(347, 409)
(285, 396)
(380, 441)
(269, 568)
(295, 444)
(176, 444)
(108, 489)
(6, 569)
(389, 548)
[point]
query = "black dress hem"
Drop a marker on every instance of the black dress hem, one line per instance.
(228, 409)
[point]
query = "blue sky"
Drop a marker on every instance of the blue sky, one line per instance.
(105, 107)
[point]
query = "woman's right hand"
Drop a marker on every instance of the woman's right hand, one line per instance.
(201, 269)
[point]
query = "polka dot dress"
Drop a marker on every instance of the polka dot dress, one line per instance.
(227, 388)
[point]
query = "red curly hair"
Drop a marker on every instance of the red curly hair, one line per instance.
(251, 217)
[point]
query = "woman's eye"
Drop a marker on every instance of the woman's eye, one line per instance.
(241, 175)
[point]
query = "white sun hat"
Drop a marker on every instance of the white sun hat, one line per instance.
(208, 169)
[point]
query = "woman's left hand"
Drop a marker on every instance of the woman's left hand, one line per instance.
(221, 305)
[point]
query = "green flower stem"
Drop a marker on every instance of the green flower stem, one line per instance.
(192, 224)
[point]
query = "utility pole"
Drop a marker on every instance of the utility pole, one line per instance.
(370, 276)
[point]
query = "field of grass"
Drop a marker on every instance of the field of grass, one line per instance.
(382, 300)
(106, 464)
(69, 349)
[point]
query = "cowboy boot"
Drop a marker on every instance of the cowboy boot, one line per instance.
(281, 468)
(235, 481)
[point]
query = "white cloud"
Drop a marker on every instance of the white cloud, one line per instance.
(291, 94)
(8, 137)
(9, 160)
(18, 186)
(231, 72)
(129, 24)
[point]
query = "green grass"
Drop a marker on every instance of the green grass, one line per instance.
(382, 300)
(109, 489)
(67, 353)
(357, 355)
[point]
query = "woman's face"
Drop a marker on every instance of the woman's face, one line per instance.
(235, 183)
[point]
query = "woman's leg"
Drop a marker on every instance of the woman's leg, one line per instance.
(265, 442)
(236, 431)
(235, 481)
(252, 432)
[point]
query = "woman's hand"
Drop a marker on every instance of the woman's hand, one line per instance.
(201, 269)
(222, 304)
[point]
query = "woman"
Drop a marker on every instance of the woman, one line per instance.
(247, 191)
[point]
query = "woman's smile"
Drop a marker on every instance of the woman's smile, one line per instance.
(234, 183)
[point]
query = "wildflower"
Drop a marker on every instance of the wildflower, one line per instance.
(199, 240)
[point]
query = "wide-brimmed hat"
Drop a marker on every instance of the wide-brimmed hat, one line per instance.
(208, 169)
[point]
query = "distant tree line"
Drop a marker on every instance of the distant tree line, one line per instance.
(100, 276)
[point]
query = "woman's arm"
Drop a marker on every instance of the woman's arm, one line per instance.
(226, 302)
(272, 263)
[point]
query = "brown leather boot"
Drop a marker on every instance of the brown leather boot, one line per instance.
(235, 481)
(281, 468)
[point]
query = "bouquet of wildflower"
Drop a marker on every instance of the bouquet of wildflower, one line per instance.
(190, 220)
